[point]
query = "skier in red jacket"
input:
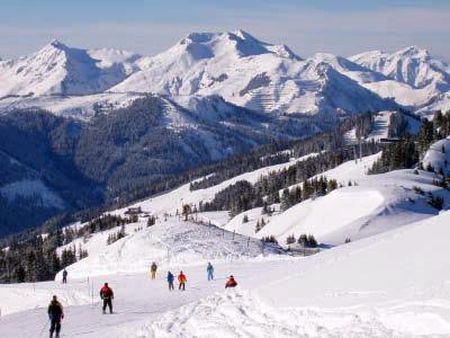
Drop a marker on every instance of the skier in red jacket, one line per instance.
(107, 294)
(182, 281)
(231, 282)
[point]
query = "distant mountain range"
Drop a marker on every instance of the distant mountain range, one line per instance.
(236, 66)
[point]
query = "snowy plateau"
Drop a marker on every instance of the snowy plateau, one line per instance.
(390, 280)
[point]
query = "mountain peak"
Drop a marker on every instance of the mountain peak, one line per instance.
(198, 37)
(244, 35)
(413, 51)
(55, 43)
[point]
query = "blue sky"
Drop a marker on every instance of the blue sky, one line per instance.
(148, 26)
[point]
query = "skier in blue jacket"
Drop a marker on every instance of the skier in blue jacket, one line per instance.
(210, 271)
(170, 279)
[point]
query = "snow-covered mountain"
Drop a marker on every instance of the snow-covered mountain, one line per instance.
(411, 65)
(59, 69)
(253, 74)
(414, 78)
(234, 65)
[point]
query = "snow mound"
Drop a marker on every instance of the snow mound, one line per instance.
(171, 242)
(438, 156)
(379, 203)
(241, 314)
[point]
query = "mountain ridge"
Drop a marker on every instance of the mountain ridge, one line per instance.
(242, 69)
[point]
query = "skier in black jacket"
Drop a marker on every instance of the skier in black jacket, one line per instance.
(55, 314)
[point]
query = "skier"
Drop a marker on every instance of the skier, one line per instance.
(55, 314)
(210, 271)
(170, 279)
(231, 282)
(182, 281)
(64, 275)
(153, 269)
(107, 295)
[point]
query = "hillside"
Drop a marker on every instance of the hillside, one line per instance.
(170, 242)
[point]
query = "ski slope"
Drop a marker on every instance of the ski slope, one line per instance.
(346, 291)
(391, 280)
(385, 286)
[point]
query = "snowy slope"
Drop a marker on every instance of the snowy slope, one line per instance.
(81, 107)
(172, 201)
(438, 157)
(349, 291)
(170, 242)
(380, 126)
(380, 203)
(377, 204)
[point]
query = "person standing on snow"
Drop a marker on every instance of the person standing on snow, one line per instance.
(231, 282)
(153, 269)
(55, 314)
(210, 271)
(107, 295)
(182, 281)
(64, 275)
(170, 279)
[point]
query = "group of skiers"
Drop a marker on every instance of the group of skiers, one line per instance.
(55, 309)
(182, 279)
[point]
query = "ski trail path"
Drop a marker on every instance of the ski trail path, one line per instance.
(138, 299)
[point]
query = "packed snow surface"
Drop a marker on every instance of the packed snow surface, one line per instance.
(390, 285)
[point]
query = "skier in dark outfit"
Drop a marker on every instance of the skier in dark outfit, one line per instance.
(107, 294)
(170, 279)
(55, 314)
(64, 275)
(210, 271)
